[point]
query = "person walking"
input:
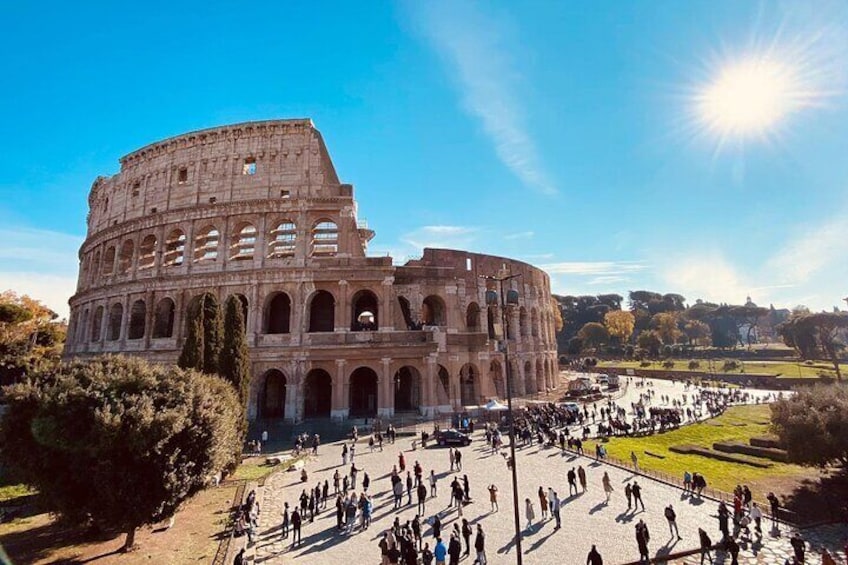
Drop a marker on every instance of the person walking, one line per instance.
(774, 505)
(458, 457)
(799, 547)
(723, 520)
(432, 483)
(529, 513)
(628, 492)
(543, 503)
(480, 546)
(757, 516)
(454, 549)
(466, 535)
(672, 522)
(643, 536)
(637, 495)
(555, 510)
(607, 487)
(285, 520)
(239, 559)
(452, 458)
(493, 497)
(572, 482)
(706, 545)
(437, 528)
(440, 552)
(551, 499)
(581, 475)
(422, 498)
(687, 481)
(732, 548)
(296, 523)
(594, 558)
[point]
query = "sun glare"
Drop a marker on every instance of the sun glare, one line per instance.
(749, 97)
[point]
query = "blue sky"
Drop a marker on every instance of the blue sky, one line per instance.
(566, 134)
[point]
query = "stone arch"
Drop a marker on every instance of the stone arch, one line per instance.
(443, 394)
(469, 385)
(108, 265)
(322, 312)
(163, 318)
(278, 314)
(433, 311)
(491, 320)
(472, 317)
(364, 311)
(138, 320)
(206, 244)
(95, 266)
(517, 380)
(362, 388)
(282, 240)
(82, 328)
(325, 239)
(273, 400)
(317, 394)
(125, 257)
(497, 376)
(534, 323)
(523, 322)
(147, 252)
(529, 378)
(174, 254)
(243, 246)
(97, 324)
(116, 319)
(407, 389)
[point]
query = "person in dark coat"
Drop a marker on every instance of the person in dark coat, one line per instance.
(295, 522)
(466, 535)
(454, 550)
(594, 558)
(642, 539)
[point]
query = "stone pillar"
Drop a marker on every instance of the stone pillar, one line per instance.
(386, 389)
(341, 322)
(386, 316)
(341, 393)
(429, 402)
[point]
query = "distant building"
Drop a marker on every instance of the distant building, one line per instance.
(256, 210)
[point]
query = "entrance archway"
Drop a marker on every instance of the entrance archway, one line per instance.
(468, 379)
(317, 394)
(322, 312)
(407, 383)
(363, 393)
(274, 395)
(364, 311)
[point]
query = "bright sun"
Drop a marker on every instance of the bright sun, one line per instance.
(748, 97)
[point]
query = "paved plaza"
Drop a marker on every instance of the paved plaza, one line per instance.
(587, 519)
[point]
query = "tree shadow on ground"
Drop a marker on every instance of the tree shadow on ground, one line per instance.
(816, 500)
(36, 544)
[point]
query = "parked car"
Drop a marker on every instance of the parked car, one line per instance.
(603, 379)
(452, 437)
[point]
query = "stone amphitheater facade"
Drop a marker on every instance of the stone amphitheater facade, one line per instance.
(257, 210)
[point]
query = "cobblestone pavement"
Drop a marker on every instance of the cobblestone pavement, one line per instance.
(586, 518)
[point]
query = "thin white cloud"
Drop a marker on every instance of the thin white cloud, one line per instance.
(519, 235)
(706, 275)
(810, 251)
(478, 53)
(38, 250)
(606, 280)
(595, 268)
(439, 236)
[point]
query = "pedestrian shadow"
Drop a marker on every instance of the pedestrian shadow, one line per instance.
(598, 507)
(624, 517)
(630, 478)
(538, 543)
(696, 501)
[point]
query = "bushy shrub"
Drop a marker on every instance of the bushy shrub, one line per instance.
(629, 351)
(645, 363)
(694, 365)
(668, 364)
(730, 365)
(667, 351)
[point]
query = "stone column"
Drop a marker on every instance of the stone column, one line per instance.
(386, 316)
(341, 393)
(341, 322)
(385, 389)
(429, 402)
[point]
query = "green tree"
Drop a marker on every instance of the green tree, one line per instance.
(235, 355)
(698, 332)
(593, 335)
(650, 341)
(813, 425)
(31, 337)
(202, 347)
(665, 324)
(575, 346)
(830, 329)
(117, 441)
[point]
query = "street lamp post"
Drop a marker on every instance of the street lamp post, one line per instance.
(510, 298)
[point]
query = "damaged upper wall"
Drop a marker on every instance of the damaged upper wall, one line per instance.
(242, 162)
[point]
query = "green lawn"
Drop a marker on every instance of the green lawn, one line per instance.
(13, 491)
(738, 423)
(254, 468)
(777, 368)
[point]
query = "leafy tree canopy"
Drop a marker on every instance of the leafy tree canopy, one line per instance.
(813, 425)
(117, 441)
(30, 336)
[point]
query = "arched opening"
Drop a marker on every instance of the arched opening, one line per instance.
(282, 240)
(529, 379)
(97, 324)
(325, 239)
(364, 311)
(147, 252)
(496, 374)
(244, 243)
(317, 394)
(443, 387)
(82, 328)
(433, 311)
(116, 317)
(472, 317)
(541, 384)
(407, 383)
(125, 258)
(163, 318)
(206, 244)
(322, 312)
(108, 265)
(534, 323)
(524, 322)
(363, 393)
(95, 267)
(274, 395)
(468, 385)
(138, 319)
(174, 249)
(278, 314)
(490, 322)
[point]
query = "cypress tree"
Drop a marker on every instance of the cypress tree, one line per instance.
(212, 333)
(191, 356)
(235, 356)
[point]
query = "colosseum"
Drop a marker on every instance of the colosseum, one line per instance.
(257, 210)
